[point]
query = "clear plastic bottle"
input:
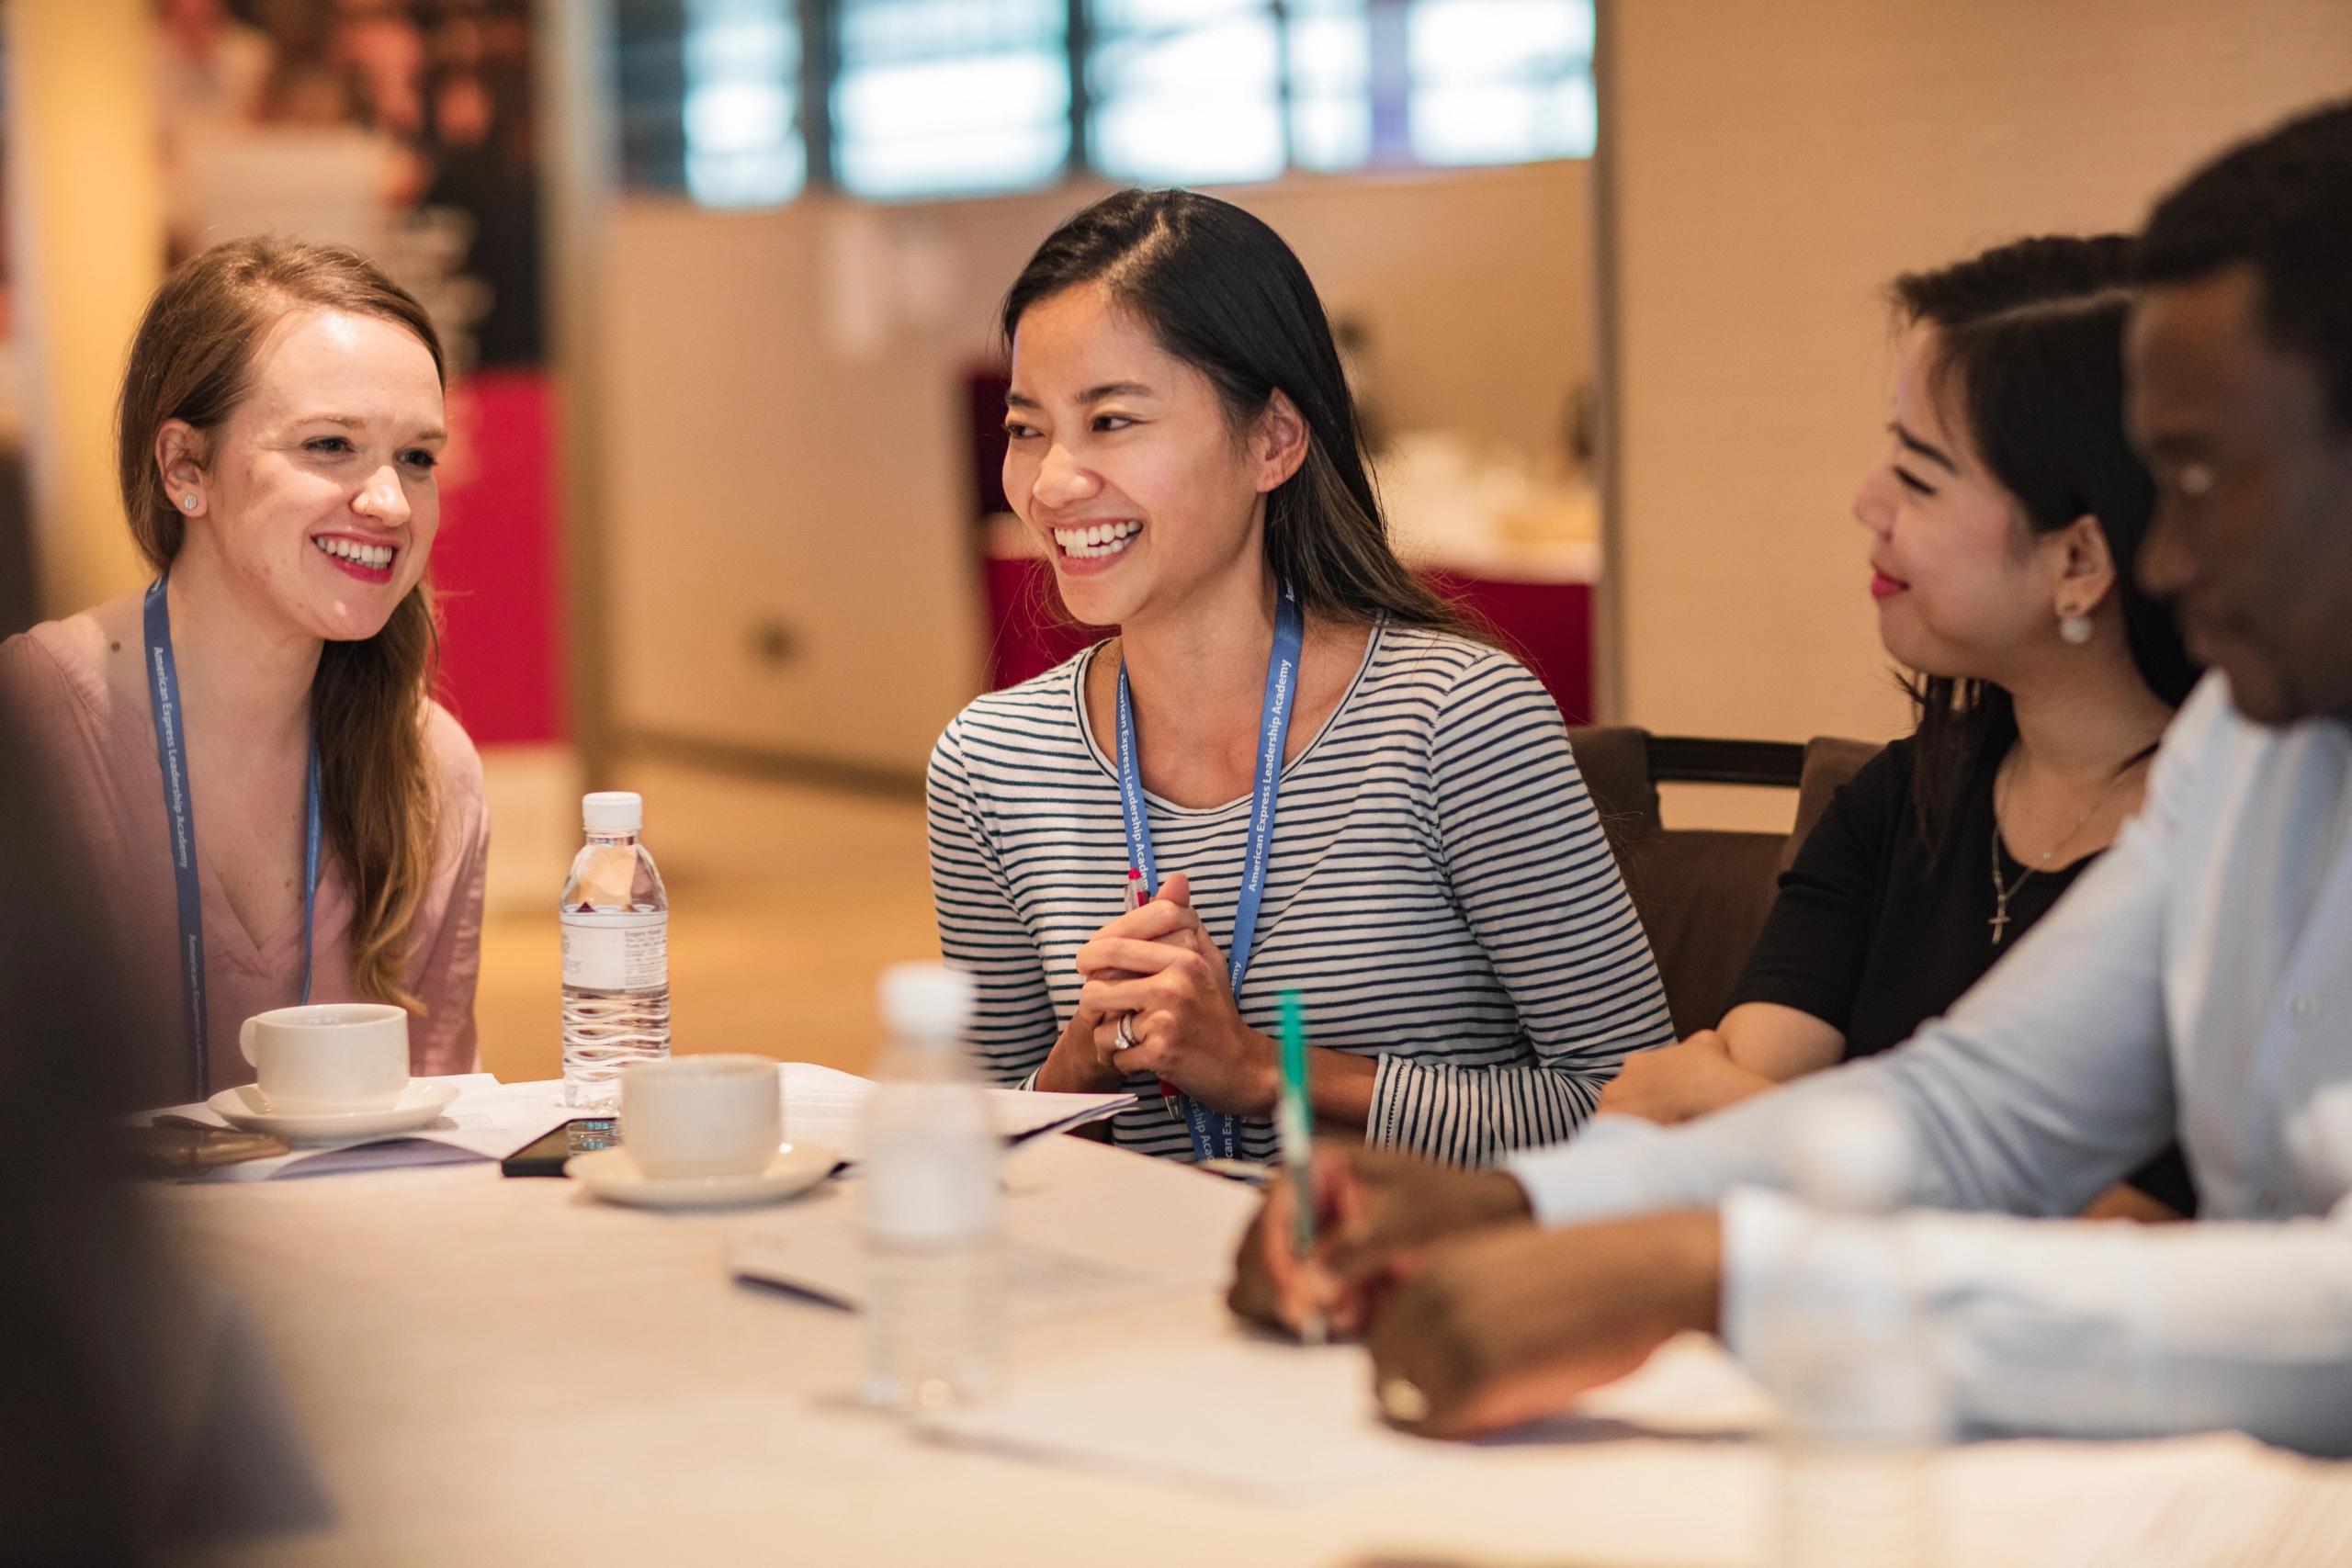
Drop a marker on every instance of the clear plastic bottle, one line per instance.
(1839, 1340)
(932, 1204)
(616, 953)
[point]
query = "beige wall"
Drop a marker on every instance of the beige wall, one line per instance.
(85, 248)
(785, 401)
(1772, 165)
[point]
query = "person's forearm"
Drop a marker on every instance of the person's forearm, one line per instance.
(1060, 1075)
(1778, 1043)
(2084, 1329)
(1071, 1066)
(1338, 1087)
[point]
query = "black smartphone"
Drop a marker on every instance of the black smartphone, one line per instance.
(546, 1157)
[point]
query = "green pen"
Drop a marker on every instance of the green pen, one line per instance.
(1298, 1145)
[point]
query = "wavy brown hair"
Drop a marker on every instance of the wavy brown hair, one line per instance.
(193, 360)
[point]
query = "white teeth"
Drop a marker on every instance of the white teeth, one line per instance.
(376, 555)
(1096, 539)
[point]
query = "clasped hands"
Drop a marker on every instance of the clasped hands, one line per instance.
(1158, 970)
(1476, 1319)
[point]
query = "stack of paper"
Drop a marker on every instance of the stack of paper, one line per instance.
(487, 1121)
(1275, 1421)
(1072, 1245)
(815, 1248)
(823, 1105)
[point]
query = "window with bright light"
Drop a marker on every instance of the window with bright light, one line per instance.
(745, 102)
(1327, 51)
(950, 97)
(1186, 91)
(1214, 91)
(1499, 81)
(742, 70)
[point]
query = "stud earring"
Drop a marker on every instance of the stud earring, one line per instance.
(187, 503)
(2073, 627)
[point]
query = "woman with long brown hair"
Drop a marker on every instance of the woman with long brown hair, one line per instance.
(1310, 778)
(280, 423)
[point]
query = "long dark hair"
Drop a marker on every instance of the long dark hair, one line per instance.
(192, 359)
(1223, 293)
(2028, 352)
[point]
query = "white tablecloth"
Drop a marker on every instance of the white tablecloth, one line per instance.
(502, 1371)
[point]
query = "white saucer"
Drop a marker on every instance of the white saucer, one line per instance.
(420, 1105)
(612, 1176)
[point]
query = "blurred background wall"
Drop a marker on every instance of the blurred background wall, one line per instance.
(1769, 165)
(799, 447)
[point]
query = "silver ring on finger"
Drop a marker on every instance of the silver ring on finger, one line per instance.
(1124, 1039)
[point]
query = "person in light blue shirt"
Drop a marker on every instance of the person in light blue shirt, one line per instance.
(2197, 983)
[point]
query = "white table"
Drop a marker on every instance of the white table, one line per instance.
(502, 1371)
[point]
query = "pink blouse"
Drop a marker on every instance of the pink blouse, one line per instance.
(98, 750)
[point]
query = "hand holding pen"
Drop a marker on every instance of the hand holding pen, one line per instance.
(1378, 1212)
(1295, 1121)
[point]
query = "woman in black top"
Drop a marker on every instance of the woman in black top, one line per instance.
(2003, 520)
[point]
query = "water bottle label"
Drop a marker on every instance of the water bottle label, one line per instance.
(616, 952)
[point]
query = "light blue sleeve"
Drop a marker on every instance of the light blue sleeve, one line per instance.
(2100, 1329)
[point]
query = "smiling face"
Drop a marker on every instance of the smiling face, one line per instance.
(1121, 461)
(1965, 591)
(316, 497)
(2253, 530)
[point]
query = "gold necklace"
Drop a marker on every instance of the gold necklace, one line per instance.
(2002, 894)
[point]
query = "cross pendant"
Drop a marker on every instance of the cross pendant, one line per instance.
(2000, 923)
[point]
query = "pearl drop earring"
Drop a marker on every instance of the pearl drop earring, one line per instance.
(2073, 627)
(187, 503)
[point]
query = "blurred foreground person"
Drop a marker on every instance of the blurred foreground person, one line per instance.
(2197, 983)
(136, 1410)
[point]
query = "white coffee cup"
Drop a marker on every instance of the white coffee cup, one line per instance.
(695, 1116)
(329, 1056)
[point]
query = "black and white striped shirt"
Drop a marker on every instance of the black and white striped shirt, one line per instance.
(1438, 889)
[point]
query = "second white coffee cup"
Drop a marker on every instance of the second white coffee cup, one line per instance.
(696, 1116)
(329, 1056)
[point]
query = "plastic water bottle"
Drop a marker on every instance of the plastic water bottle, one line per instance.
(932, 1215)
(616, 953)
(1839, 1340)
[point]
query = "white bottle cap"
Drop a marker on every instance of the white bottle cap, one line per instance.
(925, 1001)
(612, 811)
(1852, 1153)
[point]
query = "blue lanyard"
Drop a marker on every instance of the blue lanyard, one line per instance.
(1216, 1136)
(179, 810)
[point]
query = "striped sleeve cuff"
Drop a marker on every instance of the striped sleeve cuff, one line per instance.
(1471, 1116)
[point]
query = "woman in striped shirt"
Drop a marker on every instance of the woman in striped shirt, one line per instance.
(1329, 787)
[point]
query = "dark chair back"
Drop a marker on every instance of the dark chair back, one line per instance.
(1702, 893)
